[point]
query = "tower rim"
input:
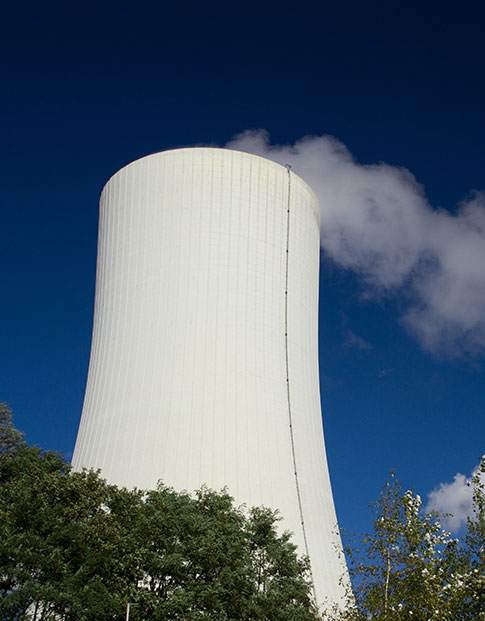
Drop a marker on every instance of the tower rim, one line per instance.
(224, 150)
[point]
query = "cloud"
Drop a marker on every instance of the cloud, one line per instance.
(377, 222)
(454, 498)
(354, 341)
(351, 340)
(384, 373)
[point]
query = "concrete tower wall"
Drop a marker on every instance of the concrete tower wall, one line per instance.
(204, 365)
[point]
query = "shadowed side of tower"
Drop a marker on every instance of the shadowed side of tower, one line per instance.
(204, 365)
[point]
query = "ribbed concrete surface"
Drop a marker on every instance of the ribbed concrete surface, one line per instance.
(194, 340)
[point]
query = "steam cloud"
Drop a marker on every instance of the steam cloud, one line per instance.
(377, 221)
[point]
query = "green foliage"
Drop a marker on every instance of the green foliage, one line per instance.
(10, 437)
(409, 568)
(471, 580)
(76, 548)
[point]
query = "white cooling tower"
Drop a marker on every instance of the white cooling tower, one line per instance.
(204, 365)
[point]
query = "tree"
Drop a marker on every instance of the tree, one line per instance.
(408, 567)
(76, 548)
(470, 581)
(280, 577)
(58, 540)
(10, 437)
(202, 558)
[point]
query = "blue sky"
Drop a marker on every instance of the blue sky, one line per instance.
(87, 89)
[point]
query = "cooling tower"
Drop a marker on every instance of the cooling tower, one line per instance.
(204, 366)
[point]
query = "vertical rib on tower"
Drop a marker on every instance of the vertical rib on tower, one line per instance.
(204, 366)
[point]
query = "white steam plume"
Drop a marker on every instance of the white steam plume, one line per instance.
(377, 222)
